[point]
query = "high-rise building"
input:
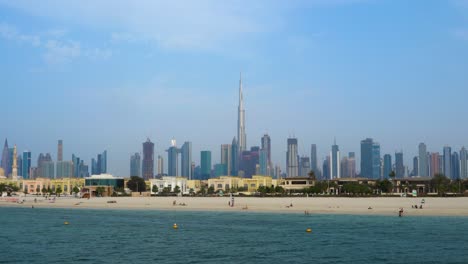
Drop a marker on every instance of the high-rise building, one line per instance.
(387, 167)
(186, 160)
(160, 166)
(135, 165)
(292, 158)
(14, 172)
(173, 159)
(264, 168)
(370, 159)
(6, 159)
(335, 172)
(60, 151)
(266, 145)
(248, 162)
(19, 163)
(26, 166)
(234, 157)
(64, 169)
(99, 165)
(415, 166)
(423, 164)
(226, 159)
(435, 166)
(205, 162)
(326, 168)
(148, 160)
(350, 166)
(399, 165)
(45, 166)
(80, 169)
(219, 170)
(455, 166)
(241, 136)
(463, 163)
(448, 162)
(304, 166)
(313, 159)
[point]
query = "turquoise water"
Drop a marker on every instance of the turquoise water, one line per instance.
(95, 236)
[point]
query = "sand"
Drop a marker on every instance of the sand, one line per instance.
(314, 205)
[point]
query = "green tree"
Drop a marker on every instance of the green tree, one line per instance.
(44, 190)
(441, 183)
(58, 191)
(312, 175)
(76, 190)
(38, 190)
(191, 191)
(210, 190)
(202, 190)
(177, 189)
(136, 184)
(155, 189)
(100, 190)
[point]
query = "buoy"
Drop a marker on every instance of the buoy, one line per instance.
(309, 230)
(65, 223)
(175, 226)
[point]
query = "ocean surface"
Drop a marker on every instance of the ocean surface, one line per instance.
(118, 236)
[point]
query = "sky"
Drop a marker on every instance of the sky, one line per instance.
(105, 75)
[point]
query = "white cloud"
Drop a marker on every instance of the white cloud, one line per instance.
(57, 52)
(11, 33)
(461, 34)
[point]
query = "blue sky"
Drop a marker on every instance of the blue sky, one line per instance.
(107, 74)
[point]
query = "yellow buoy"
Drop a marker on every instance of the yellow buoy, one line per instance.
(309, 230)
(65, 223)
(175, 226)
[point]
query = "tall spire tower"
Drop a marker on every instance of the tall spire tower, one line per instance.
(14, 173)
(241, 137)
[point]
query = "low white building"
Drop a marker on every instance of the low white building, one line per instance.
(170, 182)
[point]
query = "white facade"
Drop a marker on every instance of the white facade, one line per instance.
(171, 182)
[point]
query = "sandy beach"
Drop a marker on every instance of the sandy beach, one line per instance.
(314, 205)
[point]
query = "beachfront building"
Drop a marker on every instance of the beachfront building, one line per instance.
(296, 183)
(224, 183)
(406, 186)
(194, 185)
(43, 185)
(169, 182)
(107, 181)
(233, 183)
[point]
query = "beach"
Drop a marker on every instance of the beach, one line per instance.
(313, 205)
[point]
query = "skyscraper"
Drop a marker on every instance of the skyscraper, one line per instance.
(226, 159)
(234, 157)
(387, 168)
(455, 166)
(423, 164)
(148, 160)
(266, 145)
(435, 165)
(313, 159)
(415, 166)
(304, 166)
(326, 168)
(99, 165)
(205, 162)
(135, 165)
(173, 159)
(60, 150)
(448, 162)
(186, 160)
(370, 159)
(263, 162)
(14, 173)
(399, 166)
(160, 166)
(241, 136)
(335, 172)
(291, 158)
(26, 166)
(6, 159)
(463, 163)
(64, 169)
(45, 166)
(351, 168)
(249, 161)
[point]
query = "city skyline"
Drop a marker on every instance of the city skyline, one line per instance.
(307, 73)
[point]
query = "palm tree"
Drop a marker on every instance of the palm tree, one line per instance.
(312, 175)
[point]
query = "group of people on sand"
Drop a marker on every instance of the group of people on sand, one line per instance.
(175, 203)
(416, 206)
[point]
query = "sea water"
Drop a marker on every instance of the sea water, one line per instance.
(135, 236)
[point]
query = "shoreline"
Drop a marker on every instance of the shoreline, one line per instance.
(384, 206)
